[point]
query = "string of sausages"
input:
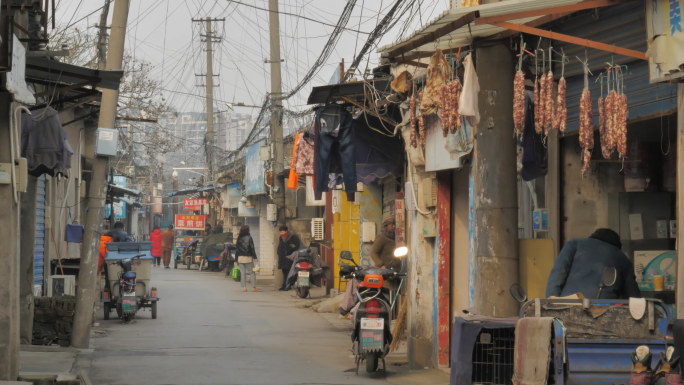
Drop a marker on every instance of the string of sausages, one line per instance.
(519, 102)
(613, 121)
(586, 131)
(450, 118)
(547, 114)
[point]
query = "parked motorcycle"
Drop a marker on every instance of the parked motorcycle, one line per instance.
(372, 335)
(127, 287)
(127, 278)
(308, 270)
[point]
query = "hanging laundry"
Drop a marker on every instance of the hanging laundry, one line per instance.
(467, 104)
(44, 143)
(535, 155)
(304, 156)
(293, 178)
(334, 148)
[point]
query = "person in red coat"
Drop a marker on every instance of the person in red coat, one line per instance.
(156, 239)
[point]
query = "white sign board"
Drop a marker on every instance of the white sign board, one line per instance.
(16, 83)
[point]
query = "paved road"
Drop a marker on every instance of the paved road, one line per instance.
(209, 332)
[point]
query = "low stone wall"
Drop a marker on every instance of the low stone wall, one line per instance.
(53, 319)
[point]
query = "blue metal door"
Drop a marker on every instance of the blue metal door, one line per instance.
(39, 242)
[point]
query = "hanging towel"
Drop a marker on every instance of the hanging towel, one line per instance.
(293, 177)
(532, 353)
(467, 104)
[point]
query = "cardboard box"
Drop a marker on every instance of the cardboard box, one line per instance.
(648, 263)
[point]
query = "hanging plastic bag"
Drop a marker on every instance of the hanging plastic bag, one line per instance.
(235, 273)
(74, 233)
(467, 104)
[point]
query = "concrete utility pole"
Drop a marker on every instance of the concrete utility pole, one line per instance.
(97, 189)
(28, 227)
(210, 103)
(210, 37)
(276, 105)
(495, 185)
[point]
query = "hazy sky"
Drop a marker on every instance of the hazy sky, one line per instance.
(162, 32)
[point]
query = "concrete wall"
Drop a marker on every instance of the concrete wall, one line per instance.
(268, 235)
(589, 201)
(371, 211)
(420, 288)
(460, 244)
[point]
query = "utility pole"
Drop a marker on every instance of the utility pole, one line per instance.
(97, 188)
(209, 140)
(276, 105)
(278, 195)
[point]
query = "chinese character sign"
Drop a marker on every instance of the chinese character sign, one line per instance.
(194, 204)
(190, 222)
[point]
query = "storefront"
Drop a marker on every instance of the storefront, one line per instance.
(563, 190)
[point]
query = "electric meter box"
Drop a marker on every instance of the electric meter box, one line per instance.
(107, 141)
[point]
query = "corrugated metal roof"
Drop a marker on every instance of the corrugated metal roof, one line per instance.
(465, 35)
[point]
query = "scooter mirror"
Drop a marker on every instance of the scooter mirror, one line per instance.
(609, 276)
(517, 293)
(400, 252)
(346, 255)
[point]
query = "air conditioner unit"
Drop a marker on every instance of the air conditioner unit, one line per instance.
(430, 192)
(59, 285)
(318, 229)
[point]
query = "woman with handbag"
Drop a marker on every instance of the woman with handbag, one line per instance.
(246, 257)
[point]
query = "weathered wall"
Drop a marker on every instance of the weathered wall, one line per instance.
(268, 235)
(421, 288)
(495, 186)
(370, 211)
(588, 200)
(459, 246)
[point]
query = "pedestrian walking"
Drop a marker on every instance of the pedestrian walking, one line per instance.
(156, 250)
(288, 244)
(246, 257)
(167, 239)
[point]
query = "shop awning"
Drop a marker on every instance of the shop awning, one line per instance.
(130, 202)
(349, 90)
(119, 191)
(459, 27)
(195, 190)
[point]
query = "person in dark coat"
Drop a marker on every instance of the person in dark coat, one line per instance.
(580, 265)
(246, 257)
(118, 234)
(218, 229)
(288, 244)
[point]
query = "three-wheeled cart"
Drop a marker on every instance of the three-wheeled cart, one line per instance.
(146, 295)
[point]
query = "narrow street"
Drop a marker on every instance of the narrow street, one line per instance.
(210, 332)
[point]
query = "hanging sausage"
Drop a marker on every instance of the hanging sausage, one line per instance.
(537, 107)
(519, 102)
(586, 132)
(412, 107)
(561, 115)
(548, 103)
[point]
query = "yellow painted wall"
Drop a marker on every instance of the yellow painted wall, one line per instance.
(536, 262)
(345, 233)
